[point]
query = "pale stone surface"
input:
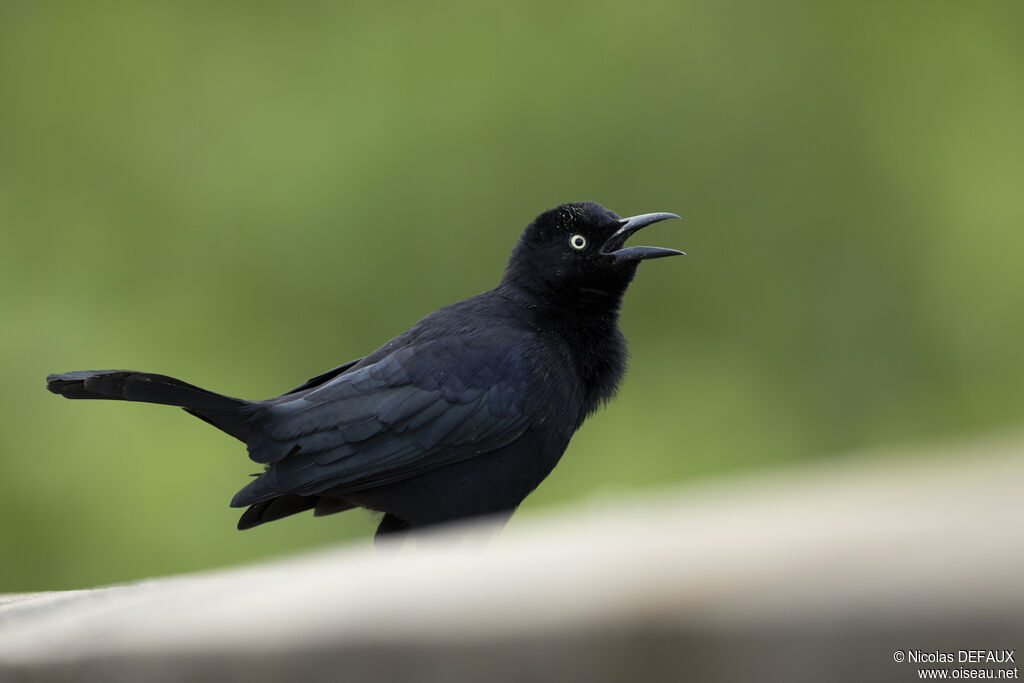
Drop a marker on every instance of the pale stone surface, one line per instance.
(805, 574)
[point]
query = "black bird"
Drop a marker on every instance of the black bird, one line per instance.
(464, 414)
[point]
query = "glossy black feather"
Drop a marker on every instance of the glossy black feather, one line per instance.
(417, 406)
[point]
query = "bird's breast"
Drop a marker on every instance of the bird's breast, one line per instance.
(594, 361)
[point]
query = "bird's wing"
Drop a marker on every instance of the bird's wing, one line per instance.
(416, 409)
(322, 377)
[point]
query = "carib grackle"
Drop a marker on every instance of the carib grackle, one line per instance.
(464, 414)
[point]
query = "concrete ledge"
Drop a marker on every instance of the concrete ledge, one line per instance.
(810, 574)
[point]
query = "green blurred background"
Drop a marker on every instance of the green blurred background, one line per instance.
(246, 194)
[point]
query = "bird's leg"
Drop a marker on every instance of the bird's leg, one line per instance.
(391, 529)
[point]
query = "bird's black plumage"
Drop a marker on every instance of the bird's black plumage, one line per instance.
(464, 414)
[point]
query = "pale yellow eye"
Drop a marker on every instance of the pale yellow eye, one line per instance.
(578, 242)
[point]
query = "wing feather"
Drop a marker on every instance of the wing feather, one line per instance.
(416, 409)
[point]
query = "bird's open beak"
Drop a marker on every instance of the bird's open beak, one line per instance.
(613, 246)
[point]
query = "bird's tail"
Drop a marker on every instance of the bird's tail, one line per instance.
(231, 415)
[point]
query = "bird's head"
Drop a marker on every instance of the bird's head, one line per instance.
(578, 250)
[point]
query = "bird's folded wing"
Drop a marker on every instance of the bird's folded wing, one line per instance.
(417, 409)
(322, 377)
